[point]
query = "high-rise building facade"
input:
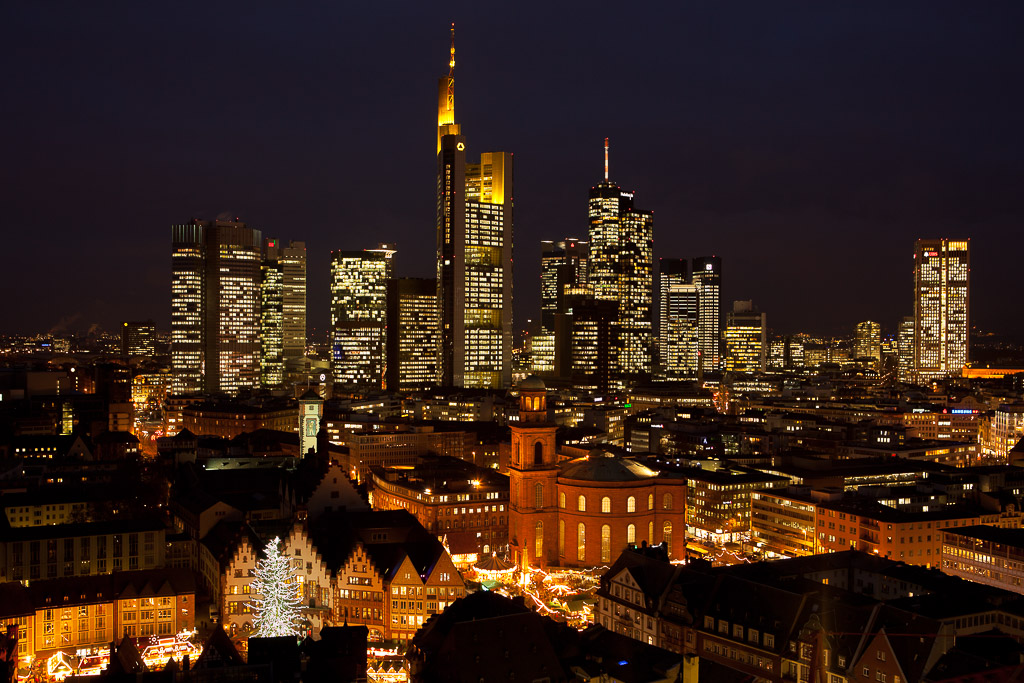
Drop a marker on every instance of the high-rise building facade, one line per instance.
(138, 338)
(905, 350)
(942, 271)
(215, 307)
(867, 341)
(563, 269)
(745, 333)
(359, 282)
(621, 270)
(672, 272)
(293, 300)
(413, 334)
(680, 328)
(474, 254)
(271, 317)
(707, 276)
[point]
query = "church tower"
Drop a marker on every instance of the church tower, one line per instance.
(311, 410)
(533, 472)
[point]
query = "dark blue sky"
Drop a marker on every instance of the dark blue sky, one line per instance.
(808, 144)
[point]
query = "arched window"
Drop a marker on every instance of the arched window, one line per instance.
(650, 501)
(581, 542)
(538, 495)
(631, 504)
(606, 504)
(538, 541)
(581, 504)
(606, 543)
(667, 501)
(538, 453)
(666, 535)
(650, 533)
(487, 549)
(561, 499)
(561, 538)
(631, 533)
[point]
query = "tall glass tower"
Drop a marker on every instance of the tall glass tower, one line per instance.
(942, 270)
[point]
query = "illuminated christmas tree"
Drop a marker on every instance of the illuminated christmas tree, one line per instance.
(276, 606)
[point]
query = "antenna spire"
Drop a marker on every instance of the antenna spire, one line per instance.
(606, 160)
(451, 62)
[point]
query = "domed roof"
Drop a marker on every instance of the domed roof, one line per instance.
(532, 383)
(601, 465)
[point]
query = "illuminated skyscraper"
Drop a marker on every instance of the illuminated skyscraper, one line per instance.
(215, 307)
(359, 315)
(271, 316)
(474, 254)
(868, 341)
(905, 350)
(745, 332)
(413, 334)
(621, 270)
(707, 275)
(138, 338)
(293, 300)
(680, 330)
(941, 307)
(563, 272)
(671, 273)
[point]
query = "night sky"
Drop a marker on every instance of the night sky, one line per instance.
(807, 144)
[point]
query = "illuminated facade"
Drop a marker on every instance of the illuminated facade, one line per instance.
(359, 315)
(413, 334)
(868, 341)
(215, 307)
(680, 330)
(745, 332)
(138, 338)
(583, 512)
(474, 254)
(621, 270)
(707, 275)
(293, 271)
(271, 317)
(941, 308)
(563, 273)
(905, 350)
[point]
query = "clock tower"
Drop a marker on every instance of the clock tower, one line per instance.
(311, 409)
(533, 472)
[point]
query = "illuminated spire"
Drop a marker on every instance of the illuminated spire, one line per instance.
(446, 98)
(605, 158)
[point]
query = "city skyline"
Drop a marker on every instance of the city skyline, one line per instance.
(771, 177)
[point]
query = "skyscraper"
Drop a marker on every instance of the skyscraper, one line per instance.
(621, 264)
(359, 315)
(671, 273)
(868, 341)
(293, 300)
(474, 254)
(563, 273)
(707, 275)
(905, 350)
(215, 306)
(745, 332)
(138, 338)
(680, 329)
(942, 270)
(413, 334)
(271, 316)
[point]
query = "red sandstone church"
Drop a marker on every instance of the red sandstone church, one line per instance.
(583, 512)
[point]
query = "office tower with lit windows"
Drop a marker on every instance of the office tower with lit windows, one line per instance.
(867, 341)
(359, 282)
(745, 332)
(138, 338)
(590, 329)
(671, 273)
(707, 276)
(905, 350)
(942, 271)
(474, 254)
(292, 257)
(413, 334)
(215, 307)
(563, 272)
(621, 270)
(271, 316)
(680, 327)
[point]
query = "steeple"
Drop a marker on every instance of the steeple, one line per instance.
(446, 98)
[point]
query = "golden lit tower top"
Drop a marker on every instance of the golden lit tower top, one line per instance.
(446, 99)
